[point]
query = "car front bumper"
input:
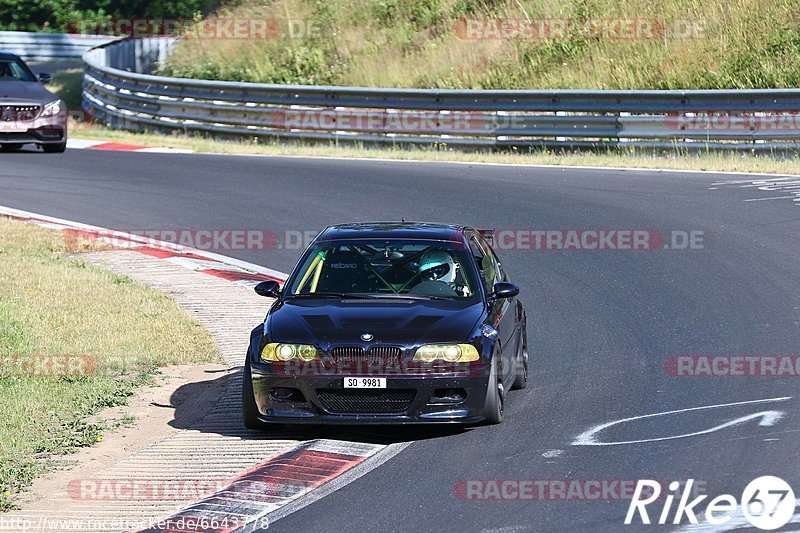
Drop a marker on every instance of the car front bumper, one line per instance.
(407, 399)
(47, 130)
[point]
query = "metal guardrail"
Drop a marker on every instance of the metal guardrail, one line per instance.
(118, 92)
(32, 46)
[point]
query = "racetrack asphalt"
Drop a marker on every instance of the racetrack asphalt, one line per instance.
(601, 324)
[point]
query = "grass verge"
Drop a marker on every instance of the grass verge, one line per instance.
(709, 161)
(538, 44)
(51, 305)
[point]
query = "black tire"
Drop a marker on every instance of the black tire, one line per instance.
(521, 362)
(54, 148)
(11, 147)
(249, 407)
(495, 398)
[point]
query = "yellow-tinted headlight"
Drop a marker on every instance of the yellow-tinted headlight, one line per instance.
(452, 353)
(277, 351)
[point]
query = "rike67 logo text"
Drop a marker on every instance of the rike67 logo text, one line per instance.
(767, 503)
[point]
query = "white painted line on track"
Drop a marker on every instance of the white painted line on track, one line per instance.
(770, 198)
(768, 418)
(769, 183)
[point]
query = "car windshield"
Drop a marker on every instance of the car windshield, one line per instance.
(421, 269)
(15, 70)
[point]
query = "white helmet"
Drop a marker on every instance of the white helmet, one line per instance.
(437, 265)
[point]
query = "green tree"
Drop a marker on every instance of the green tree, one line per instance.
(60, 15)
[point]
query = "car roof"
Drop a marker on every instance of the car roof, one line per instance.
(8, 55)
(394, 230)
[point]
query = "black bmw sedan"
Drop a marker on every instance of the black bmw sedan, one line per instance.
(388, 323)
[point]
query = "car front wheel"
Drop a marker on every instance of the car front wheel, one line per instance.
(54, 148)
(521, 362)
(493, 408)
(249, 407)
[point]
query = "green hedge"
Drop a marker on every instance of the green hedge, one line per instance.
(60, 15)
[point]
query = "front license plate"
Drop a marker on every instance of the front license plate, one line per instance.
(364, 383)
(12, 127)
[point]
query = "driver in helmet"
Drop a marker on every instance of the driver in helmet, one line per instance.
(438, 272)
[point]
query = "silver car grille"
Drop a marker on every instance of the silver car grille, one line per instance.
(18, 113)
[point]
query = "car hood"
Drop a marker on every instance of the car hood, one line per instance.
(25, 91)
(343, 322)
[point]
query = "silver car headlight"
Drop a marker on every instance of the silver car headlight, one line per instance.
(53, 108)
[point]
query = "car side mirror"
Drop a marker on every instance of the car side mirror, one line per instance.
(503, 289)
(269, 288)
(44, 77)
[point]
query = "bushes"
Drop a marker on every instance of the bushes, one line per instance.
(58, 15)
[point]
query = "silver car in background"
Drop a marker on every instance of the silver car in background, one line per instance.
(29, 113)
